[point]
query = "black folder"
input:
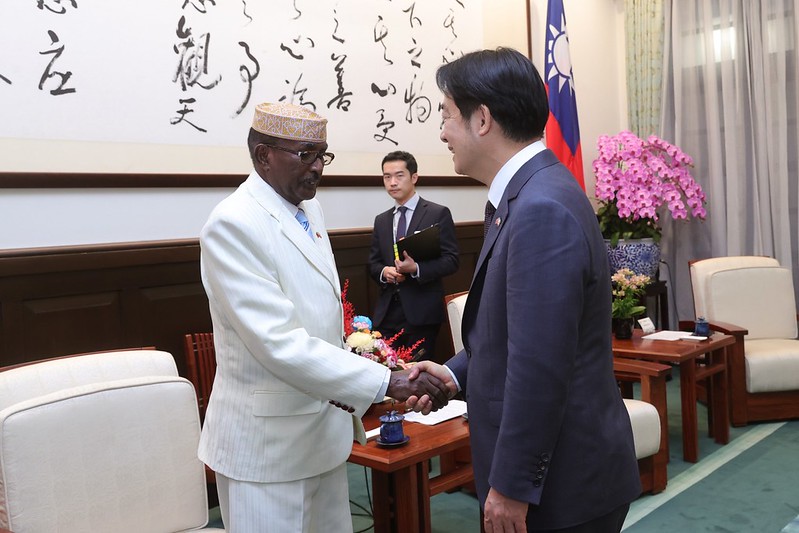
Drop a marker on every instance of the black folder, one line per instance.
(422, 245)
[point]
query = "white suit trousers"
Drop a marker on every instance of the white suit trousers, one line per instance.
(313, 505)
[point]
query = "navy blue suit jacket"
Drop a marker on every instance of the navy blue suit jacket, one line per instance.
(423, 297)
(548, 425)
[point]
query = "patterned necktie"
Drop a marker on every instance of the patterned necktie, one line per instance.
(490, 210)
(402, 225)
(303, 220)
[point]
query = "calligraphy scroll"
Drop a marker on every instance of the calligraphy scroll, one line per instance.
(189, 71)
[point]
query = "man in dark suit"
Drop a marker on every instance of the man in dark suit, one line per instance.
(411, 294)
(551, 439)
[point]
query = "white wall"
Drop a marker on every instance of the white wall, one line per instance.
(55, 217)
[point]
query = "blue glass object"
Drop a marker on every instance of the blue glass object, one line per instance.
(701, 327)
(391, 427)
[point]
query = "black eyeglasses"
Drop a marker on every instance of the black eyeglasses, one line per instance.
(308, 157)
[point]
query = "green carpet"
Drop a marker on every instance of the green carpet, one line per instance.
(793, 527)
(748, 485)
(456, 512)
(756, 491)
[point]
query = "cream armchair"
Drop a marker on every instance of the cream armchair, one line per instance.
(752, 298)
(647, 416)
(100, 442)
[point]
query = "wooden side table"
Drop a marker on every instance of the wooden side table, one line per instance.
(693, 368)
(401, 486)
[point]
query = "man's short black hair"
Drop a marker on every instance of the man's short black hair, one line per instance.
(399, 155)
(503, 80)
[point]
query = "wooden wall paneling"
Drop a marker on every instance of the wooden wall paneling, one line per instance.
(470, 241)
(65, 300)
(103, 180)
(57, 301)
(169, 312)
(10, 321)
(71, 324)
(44, 313)
(351, 250)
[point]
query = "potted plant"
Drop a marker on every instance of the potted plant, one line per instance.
(628, 288)
(634, 179)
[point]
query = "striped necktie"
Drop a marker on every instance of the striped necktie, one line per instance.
(303, 220)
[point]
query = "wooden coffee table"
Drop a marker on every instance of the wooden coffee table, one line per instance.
(401, 486)
(698, 361)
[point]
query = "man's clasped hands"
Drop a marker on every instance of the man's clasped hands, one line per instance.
(425, 387)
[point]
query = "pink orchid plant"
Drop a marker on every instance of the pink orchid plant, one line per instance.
(635, 177)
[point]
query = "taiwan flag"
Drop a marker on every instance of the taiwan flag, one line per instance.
(562, 131)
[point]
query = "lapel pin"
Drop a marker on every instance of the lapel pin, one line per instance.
(498, 221)
(318, 236)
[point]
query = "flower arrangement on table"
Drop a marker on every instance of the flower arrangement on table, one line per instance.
(628, 287)
(634, 178)
(362, 340)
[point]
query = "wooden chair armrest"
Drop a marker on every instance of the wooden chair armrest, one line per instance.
(652, 377)
(721, 327)
(729, 329)
(448, 297)
(635, 367)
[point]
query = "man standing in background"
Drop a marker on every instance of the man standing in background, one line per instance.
(411, 293)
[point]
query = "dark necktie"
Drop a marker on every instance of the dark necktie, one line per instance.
(402, 224)
(490, 210)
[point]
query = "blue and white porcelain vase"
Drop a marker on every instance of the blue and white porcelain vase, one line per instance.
(642, 256)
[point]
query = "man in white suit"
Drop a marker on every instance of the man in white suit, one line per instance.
(287, 397)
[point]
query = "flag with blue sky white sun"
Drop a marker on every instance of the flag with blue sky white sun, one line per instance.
(562, 130)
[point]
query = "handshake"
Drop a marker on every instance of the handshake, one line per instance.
(424, 387)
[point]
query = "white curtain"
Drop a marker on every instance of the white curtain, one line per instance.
(643, 23)
(730, 101)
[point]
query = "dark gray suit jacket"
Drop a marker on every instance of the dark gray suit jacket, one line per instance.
(548, 425)
(423, 297)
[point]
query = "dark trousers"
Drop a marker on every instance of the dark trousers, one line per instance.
(609, 523)
(395, 320)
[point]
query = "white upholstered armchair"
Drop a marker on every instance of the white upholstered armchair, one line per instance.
(100, 442)
(752, 298)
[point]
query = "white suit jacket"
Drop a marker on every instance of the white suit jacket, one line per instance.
(275, 303)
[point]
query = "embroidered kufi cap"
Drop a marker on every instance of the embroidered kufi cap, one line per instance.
(289, 121)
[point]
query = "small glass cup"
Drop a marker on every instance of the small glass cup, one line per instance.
(391, 431)
(701, 327)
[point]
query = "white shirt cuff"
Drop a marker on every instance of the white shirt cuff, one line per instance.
(384, 388)
(453, 377)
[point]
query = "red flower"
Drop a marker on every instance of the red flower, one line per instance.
(349, 309)
(403, 354)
